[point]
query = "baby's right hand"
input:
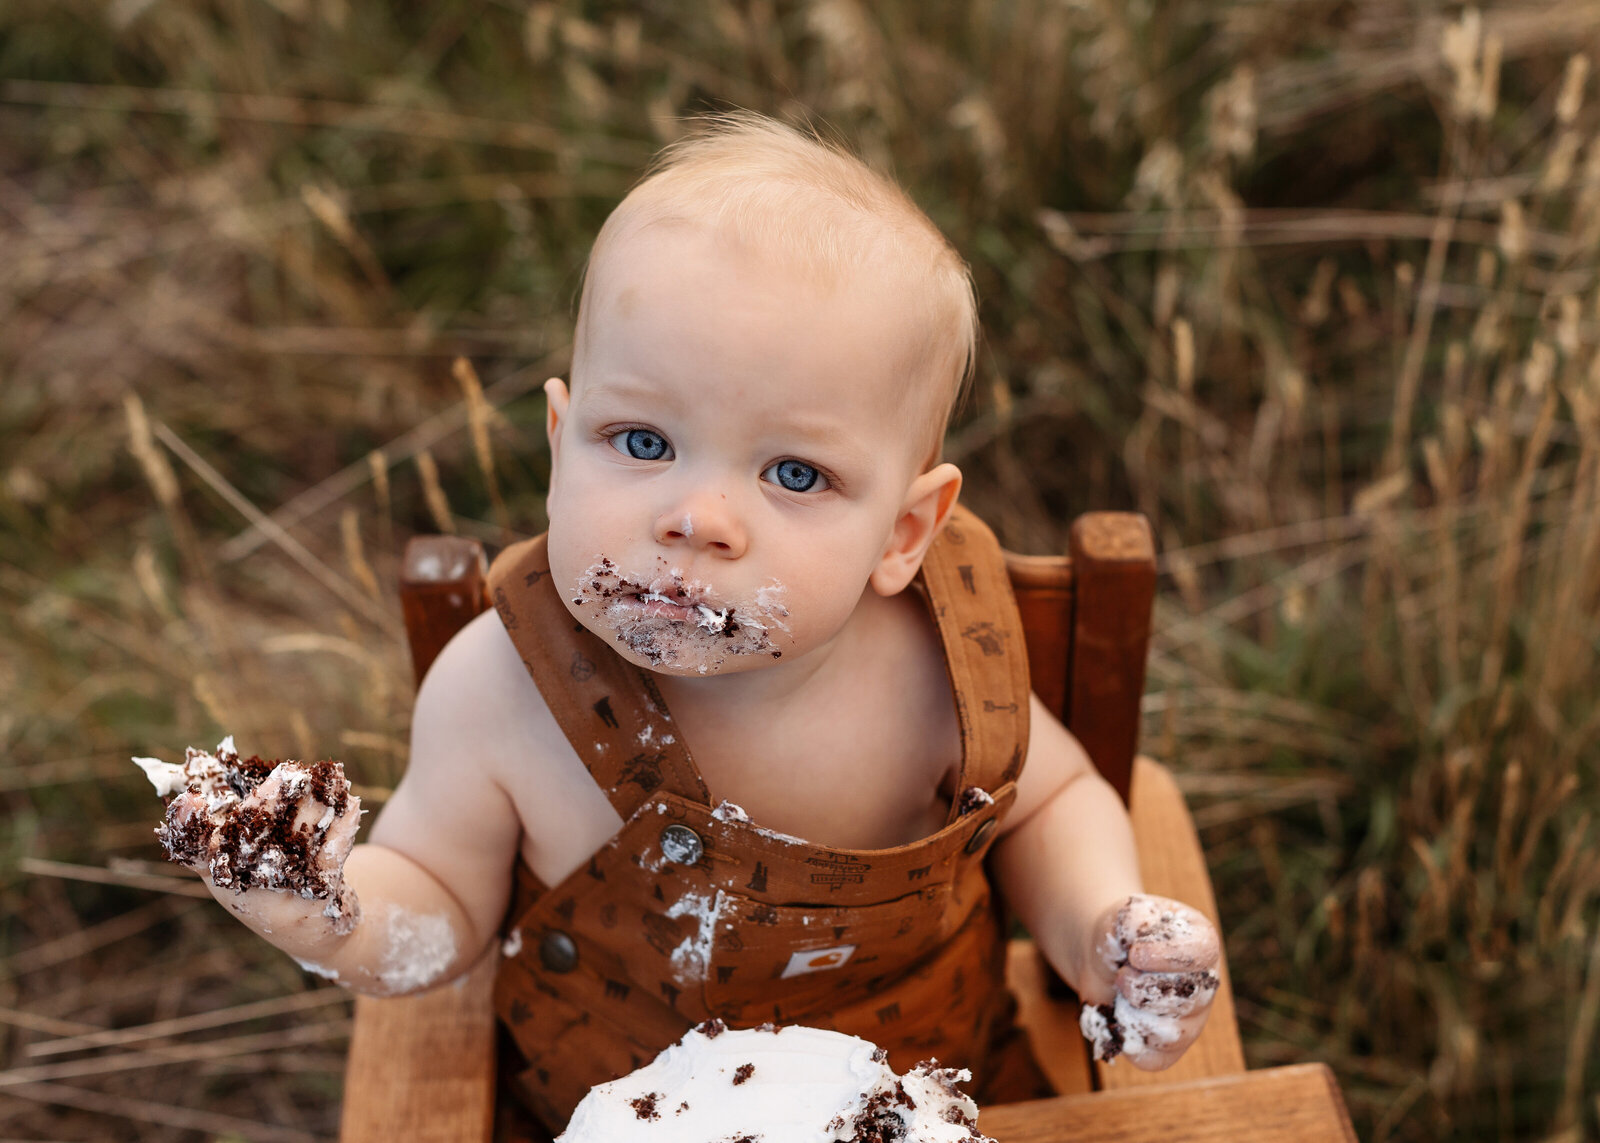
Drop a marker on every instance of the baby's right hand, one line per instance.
(285, 828)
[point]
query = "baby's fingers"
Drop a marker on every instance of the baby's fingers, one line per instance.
(1168, 993)
(186, 832)
(1166, 936)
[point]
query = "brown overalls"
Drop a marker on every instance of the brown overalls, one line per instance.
(692, 911)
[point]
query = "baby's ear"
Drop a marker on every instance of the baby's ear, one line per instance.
(924, 510)
(555, 391)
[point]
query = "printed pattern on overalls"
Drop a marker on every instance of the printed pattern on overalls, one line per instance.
(693, 911)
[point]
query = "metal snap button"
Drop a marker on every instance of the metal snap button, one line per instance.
(979, 836)
(558, 952)
(681, 845)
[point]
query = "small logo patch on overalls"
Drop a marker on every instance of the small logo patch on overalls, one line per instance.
(816, 960)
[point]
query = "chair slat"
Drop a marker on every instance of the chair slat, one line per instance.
(1043, 587)
(1114, 576)
(443, 586)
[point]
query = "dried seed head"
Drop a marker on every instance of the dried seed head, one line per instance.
(433, 493)
(1183, 354)
(1459, 45)
(1568, 324)
(1455, 366)
(1488, 269)
(1314, 310)
(1539, 368)
(1590, 179)
(1231, 114)
(1486, 331)
(378, 464)
(1513, 234)
(1488, 96)
(538, 29)
(1559, 163)
(1570, 100)
(1159, 178)
(1292, 389)
(151, 459)
(1169, 282)
(1405, 276)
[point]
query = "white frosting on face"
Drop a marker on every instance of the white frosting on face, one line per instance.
(694, 626)
(791, 1085)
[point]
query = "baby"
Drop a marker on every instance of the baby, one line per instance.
(747, 733)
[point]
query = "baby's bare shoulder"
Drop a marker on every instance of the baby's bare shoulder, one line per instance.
(480, 718)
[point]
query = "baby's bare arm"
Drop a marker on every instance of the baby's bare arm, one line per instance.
(1143, 965)
(1067, 854)
(420, 902)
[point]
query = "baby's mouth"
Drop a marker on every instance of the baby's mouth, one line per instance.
(655, 604)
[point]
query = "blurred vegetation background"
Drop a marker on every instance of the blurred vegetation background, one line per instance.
(1313, 283)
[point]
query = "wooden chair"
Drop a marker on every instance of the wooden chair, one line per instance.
(422, 1068)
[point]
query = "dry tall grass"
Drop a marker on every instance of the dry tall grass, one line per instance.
(1312, 284)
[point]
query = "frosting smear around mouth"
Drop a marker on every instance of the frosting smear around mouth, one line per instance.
(677, 623)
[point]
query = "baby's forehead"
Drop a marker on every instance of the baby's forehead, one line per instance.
(876, 260)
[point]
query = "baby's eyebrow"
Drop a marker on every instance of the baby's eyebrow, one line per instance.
(631, 389)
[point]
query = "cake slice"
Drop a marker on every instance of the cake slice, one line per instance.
(252, 823)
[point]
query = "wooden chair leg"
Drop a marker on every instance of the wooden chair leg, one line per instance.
(421, 1068)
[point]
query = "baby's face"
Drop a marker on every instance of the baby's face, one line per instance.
(734, 456)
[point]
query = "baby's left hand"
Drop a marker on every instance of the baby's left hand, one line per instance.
(1155, 974)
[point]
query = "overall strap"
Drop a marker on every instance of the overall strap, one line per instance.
(987, 660)
(610, 710)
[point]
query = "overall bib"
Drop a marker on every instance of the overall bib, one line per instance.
(693, 910)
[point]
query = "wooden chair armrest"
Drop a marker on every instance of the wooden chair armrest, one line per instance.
(1172, 865)
(422, 1068)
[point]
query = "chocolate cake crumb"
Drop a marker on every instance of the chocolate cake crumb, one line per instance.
(682, 1107)
(742, 1073)
(960, 1118)
(1113, 1032)
(973, 798)
(880, 1055)
(712, 1028)
(769, 1026)
(645, 1106)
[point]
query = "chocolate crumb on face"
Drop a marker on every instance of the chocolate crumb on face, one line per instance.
(645, 1106)
(742, 1073)
(712, 629)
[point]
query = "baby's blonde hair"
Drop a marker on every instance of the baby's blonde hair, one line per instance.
(808, 198)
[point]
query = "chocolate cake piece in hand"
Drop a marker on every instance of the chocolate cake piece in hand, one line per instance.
(250, 823)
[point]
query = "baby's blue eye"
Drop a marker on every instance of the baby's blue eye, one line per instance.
(796, 476)
(642, 444)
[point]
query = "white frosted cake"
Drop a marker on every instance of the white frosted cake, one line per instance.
(776, 1085)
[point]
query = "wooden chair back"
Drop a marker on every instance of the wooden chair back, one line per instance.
(1085, 616)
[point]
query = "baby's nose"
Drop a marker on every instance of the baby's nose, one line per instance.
(705, 522)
